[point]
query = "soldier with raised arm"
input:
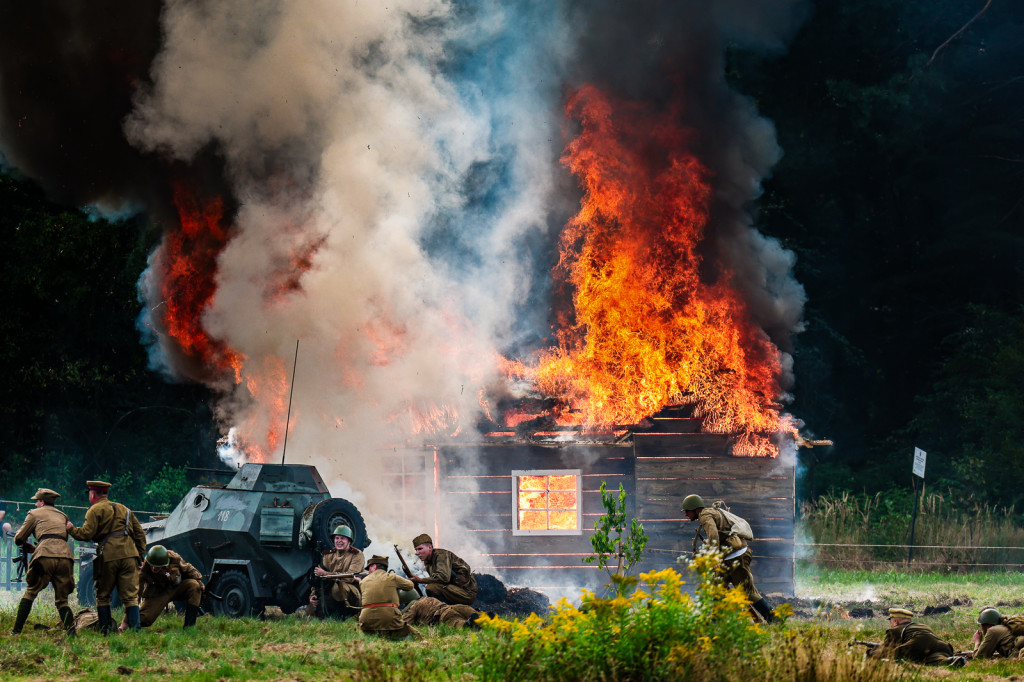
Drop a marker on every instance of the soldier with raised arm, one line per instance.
(52, 561)
(449, 578)
(120, 545)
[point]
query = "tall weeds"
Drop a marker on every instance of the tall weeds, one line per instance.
(873, 531)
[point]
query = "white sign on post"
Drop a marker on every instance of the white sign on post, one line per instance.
(919, 458)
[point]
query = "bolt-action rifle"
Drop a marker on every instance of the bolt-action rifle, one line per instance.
(336, 576)
(408, 572)
(21, 560)
(871, 646)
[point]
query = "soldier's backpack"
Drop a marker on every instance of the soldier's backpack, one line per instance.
(738, 526)
(1015, 625)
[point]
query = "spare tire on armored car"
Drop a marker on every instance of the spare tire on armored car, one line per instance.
(320, 520)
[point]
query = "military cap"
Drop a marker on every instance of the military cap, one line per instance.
(46, 495)
(900, 613)
(381, 561)
(422, 539)
(98, 486)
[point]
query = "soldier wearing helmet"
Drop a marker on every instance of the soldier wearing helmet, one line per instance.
(995, 638)
(713, 532)
(166, 577)
(340, 596)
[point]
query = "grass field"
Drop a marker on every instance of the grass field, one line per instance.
(812, 645)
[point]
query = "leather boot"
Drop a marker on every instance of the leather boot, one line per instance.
(191, 613)
(67, 619)
(106, 622)
(764, 610)
(134, 619)
(24, 607)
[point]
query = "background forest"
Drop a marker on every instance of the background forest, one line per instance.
(901, 191)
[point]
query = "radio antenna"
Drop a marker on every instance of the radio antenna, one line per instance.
(291, 392)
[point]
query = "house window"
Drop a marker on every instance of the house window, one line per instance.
(547, 502)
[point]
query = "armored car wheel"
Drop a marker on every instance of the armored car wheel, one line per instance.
(236, 598)
(330, 514)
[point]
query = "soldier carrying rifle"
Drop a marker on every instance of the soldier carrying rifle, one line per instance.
(52, 561)
(912, 641)
(338, 592)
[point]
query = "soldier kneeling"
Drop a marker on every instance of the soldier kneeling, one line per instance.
(166, 577)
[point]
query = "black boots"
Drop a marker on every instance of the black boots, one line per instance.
(131, 614)
(106, 622)
(764, 610)
(67, 619)
(191, 613)
(24, 607)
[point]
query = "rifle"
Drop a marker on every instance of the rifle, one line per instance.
(21, 561)
(336, 576)
(408, 573)
(871, 646)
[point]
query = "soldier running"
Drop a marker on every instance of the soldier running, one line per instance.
(52, 560)
(120, 543)
(163, 578)
(449, 578)
(713, 532)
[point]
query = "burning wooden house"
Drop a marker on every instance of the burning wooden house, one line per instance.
(522, 505)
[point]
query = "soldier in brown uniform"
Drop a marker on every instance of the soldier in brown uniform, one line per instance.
(379, 590)
(120, 544)
(163, 578)
(912, 641)
(449, 578)
(343, 596)
(430, 611)
(52, 560)
(995, 638)
(713, 533)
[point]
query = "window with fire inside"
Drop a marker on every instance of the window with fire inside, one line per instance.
(546, 502)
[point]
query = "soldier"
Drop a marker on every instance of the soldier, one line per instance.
(714, 533)
(120, 542)
(163, 578)
(912, 641)
(995, 637)
(431, 611)
(379, 589)
(449, 578)
(343, 597)
(52, 561)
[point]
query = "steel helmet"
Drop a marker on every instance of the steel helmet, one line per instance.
(691, 502)
(158, 556)
(344, 531)
(989, 616)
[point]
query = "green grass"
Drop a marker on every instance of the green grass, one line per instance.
(813, 646)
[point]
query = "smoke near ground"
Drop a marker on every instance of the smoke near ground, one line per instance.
(390, 180)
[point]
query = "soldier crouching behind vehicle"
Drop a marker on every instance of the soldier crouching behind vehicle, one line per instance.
(163, 578)
(342, 599)
(449, 578)
(907, 640)
(379, 590)
(52, 560)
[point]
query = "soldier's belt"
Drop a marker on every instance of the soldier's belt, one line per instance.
(383, 603)
(52, 536)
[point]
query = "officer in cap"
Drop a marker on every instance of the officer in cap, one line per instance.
(713, 532)
(907, 640)
(380, 614)
(449, 578)
(120, 545)
(342, 598)
(163, 578)
(52, 561)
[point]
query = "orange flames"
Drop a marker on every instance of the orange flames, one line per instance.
(656, 320)
(548, 502)
(188, 285)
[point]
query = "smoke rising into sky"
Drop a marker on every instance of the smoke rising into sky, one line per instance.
(390, 176)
